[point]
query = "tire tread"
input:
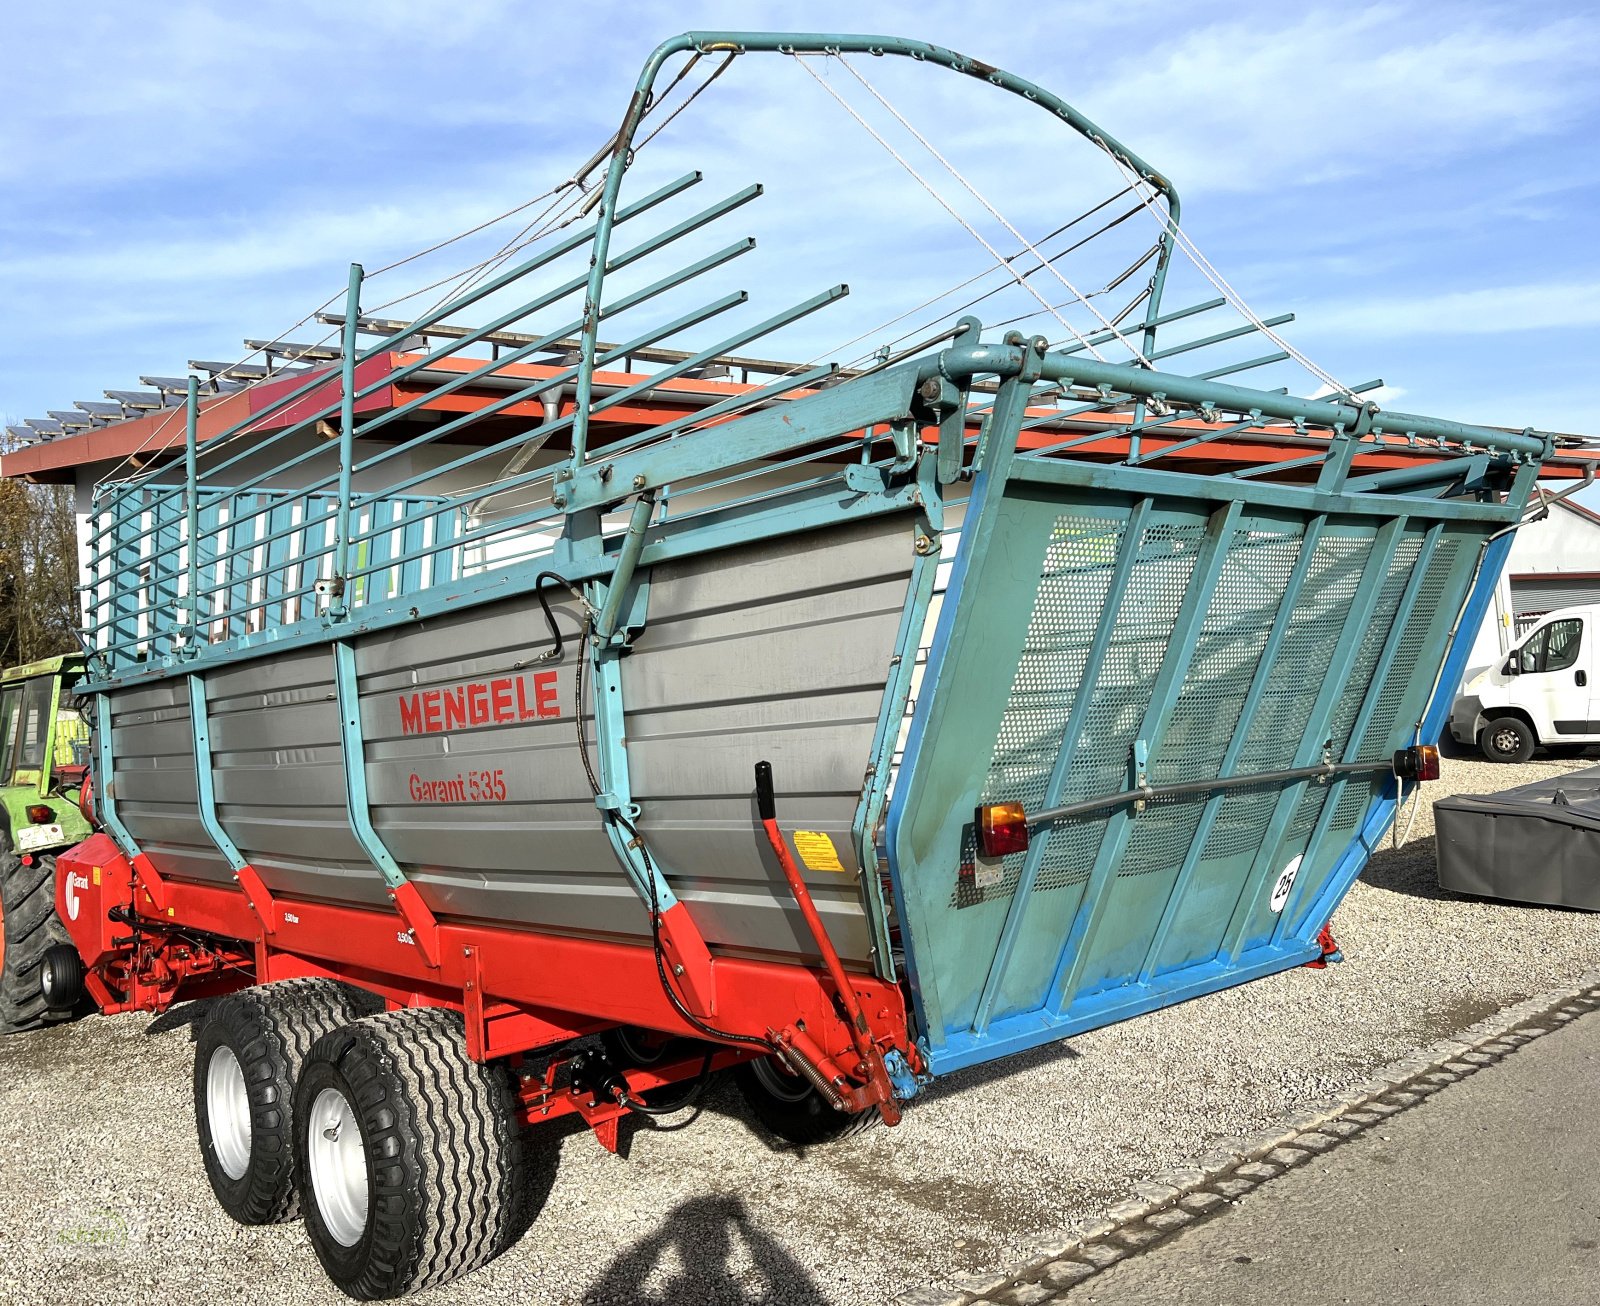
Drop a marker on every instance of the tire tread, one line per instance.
(271, 1028)
(451, 1185)
(32, 928)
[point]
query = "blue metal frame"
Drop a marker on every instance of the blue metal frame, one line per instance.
(353, 746)
(205, 777)
(989, 1038)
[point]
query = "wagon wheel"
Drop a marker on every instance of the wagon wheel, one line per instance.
(399, 1193)
(791, 1108)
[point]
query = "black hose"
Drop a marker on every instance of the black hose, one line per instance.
(554, 655)
(671, 1108)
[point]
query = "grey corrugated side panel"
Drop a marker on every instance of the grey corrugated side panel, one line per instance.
(152, 744)
(279, 777)
(778, 650)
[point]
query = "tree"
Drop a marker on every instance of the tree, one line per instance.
(38, 572)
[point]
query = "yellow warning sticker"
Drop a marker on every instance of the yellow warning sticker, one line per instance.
(97, 876)
(817, 851)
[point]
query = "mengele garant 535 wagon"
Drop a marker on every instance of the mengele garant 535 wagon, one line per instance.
(842, 725)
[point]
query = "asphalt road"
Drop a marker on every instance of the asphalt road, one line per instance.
(1487, 1192)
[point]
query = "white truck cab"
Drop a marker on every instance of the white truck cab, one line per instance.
(1542, 694)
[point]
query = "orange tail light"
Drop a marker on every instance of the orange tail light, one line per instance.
(1420, 762)
(1002, 828)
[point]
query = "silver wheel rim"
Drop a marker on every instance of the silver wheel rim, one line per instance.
(1507, 741)
(228, 1112)
(338, 1163)
(777, 1081)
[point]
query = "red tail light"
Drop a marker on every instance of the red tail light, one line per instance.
(39, 814)
(1002, 828)
(1420, 762)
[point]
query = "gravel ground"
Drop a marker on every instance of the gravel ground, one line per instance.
(102, 1196)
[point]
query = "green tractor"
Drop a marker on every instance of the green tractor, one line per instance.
(44, 763)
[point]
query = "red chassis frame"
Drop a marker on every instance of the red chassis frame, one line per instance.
(148, 941)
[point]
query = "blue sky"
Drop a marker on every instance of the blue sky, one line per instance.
(1416, 181)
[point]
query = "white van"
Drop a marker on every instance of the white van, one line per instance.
(1543, 694)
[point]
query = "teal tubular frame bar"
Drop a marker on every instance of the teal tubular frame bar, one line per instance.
(412, 328)
(354, 748)
(191, 481)
(797, 43)
(609, 713)
(339, 604)
(205, 778)
(892, 715)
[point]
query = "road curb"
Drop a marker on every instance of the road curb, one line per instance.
(1176, 1199)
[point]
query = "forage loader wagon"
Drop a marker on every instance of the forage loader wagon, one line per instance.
(858, 726)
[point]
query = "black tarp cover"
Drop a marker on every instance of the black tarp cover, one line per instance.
(1537, 843)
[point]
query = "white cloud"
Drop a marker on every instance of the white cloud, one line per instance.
(1491, 310)
(1345, 93)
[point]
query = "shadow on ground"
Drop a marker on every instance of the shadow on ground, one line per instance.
(687, 1261)
(1411, 870)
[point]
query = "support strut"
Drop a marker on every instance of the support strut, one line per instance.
(873, 1069)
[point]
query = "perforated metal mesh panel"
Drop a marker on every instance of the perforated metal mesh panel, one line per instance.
(1078, 565)
(1291, 690)
(1227, 652)
(1358, 793)
(1358, 685)
(1129, 901)
(1140, 636)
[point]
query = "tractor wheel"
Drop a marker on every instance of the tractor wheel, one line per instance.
(29, 928)
(415, 1159)
(791, 1108)
(247, 1058)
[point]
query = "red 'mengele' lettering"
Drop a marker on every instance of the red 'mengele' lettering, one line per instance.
(502, 701)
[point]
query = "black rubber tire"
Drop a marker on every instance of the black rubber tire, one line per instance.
(269, 1029)
(29, 928)
(1508, 739)
(630, 1048)
(449, 1182)
(791, 1108)
(61, 979)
